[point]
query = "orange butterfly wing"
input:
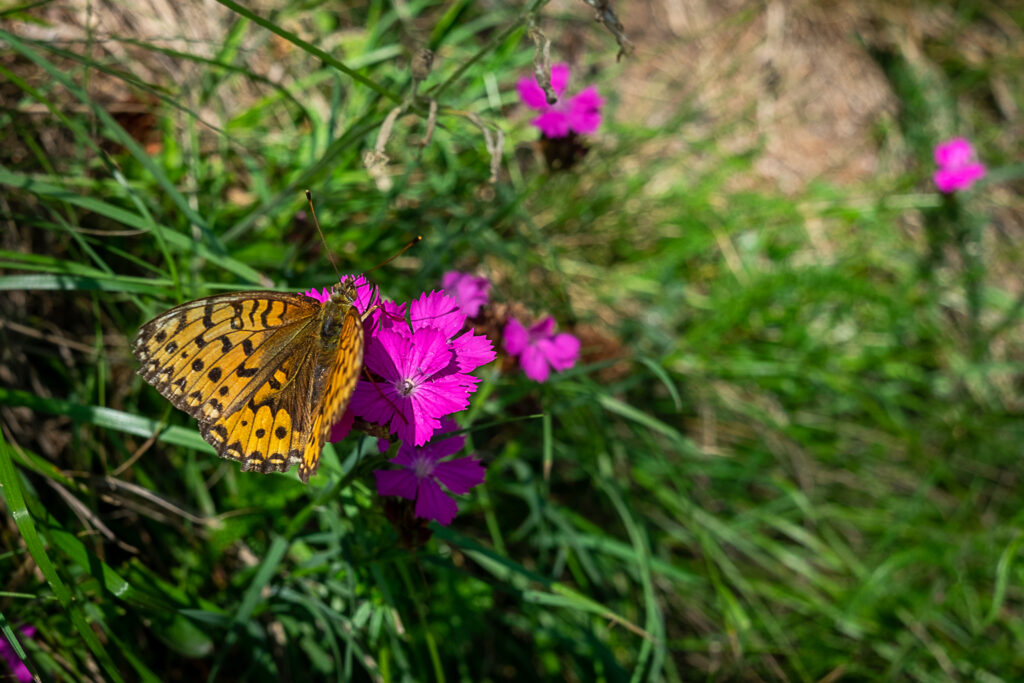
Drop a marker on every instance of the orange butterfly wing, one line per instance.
(262, 372)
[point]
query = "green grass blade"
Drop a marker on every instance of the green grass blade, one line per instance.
(10, 481)
(108, 418)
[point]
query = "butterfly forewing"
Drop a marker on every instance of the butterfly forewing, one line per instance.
(256, 371)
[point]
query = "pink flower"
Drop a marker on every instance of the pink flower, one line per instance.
(958, 166)
(423, 367)
(470, 292)
(14, 663)
(580, 114)
(323, 297)
(424, 471)
(539, 349)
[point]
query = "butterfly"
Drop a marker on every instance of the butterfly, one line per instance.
(266, 373)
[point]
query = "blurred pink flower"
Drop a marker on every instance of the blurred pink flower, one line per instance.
(17, 667)
(958, 166)
(539, 349)
(580, 113)
(469, 291)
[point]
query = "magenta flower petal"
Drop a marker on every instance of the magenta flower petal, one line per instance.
(535, 364)
(433, 503)
(472, 351)
(432, 400)
(16, 665)
(401, 483)
(958, 178)
(531, 93)
(424, 354)
(461, 474)
(515, 337)
(379, 354)
(323, 297)
(553, 123)
(585, 111)
(441, 447)
(955, 152)
(561, 351)
(958, 168)
(370, 401)
(406, 455)
(341, 428)
(559, 77)
(439, 311)
(389, 316)
(470, 292)
(544, 328)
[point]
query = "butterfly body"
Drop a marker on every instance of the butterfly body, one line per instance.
(266, 374)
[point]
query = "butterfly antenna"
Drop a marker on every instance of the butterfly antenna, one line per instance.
(330, 257)
(401, 251)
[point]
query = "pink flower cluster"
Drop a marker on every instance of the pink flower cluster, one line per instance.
(539, 349)
(580, 113)
(422, 357)
(959, 168)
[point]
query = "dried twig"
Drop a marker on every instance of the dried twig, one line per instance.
(139, 452)
(606, 15)
(431, 123)
(541, 59)
(493, 139)
(376, 161)
(90, 518)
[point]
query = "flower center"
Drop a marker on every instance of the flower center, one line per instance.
(423, 466)
(405, 387)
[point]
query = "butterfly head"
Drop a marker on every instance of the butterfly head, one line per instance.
(335, 310)
(344, 292)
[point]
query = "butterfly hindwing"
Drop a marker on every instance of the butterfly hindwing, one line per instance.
(272, 427)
